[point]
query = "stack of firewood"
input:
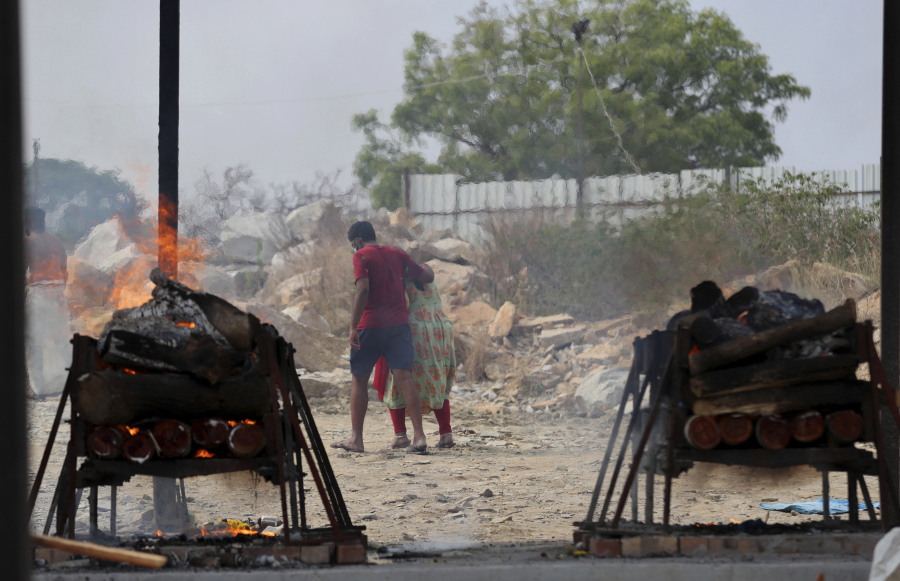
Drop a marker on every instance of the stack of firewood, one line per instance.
(176, 377)
(168, 438)
(763, 378)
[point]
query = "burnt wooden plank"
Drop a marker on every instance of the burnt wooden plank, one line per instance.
(743, 347)
(778, 400)
(837, 459)
(778, 373)
(103, 472)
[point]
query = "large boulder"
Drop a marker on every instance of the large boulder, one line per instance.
(503, 321)
(254, 238)
(287, 257)
(304, 313)
(207, 278)
(87, 286)
(475, 314)
(311, 221)
(289, 290)
(603, 388)
(448, 274)
(315, 349)
(453, 250)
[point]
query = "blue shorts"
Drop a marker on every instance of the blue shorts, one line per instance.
(394, 343)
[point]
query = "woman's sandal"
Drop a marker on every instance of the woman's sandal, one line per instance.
(442, 444)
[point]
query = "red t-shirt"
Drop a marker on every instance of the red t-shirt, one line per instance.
(386, 268)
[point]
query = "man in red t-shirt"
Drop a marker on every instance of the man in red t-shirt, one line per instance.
(380, 327)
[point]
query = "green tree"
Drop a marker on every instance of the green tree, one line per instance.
(76, 197)
(665, 88)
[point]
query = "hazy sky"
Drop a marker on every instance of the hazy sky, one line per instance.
(274, 83)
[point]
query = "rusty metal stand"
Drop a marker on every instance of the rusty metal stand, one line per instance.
(660, 361)
(289, 427)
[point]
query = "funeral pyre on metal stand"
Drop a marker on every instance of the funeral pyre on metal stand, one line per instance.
(762, 378)
(189, 385)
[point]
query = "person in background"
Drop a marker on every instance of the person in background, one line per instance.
(48, 333)
(433, 369)
(379, 327)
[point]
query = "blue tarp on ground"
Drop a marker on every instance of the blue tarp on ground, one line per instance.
(835, 506)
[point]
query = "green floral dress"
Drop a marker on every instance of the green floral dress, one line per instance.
(435, 365)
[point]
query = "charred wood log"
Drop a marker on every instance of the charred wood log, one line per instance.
(210, 433)
(227, 325)
(105, 442)
(173, 438)
(159, 344)
(116, 397)
(778, 373)
(702, 328)
(139, 448)
(743, 347)
(807, 426)
(702, 432)
(773, 432)
(735, 428)
(779, 400)
(246, 440)
(844, 427)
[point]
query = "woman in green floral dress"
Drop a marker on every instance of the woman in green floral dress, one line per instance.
(433, 369)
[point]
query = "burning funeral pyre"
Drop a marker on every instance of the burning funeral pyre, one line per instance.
(188, 385)
(760, 378)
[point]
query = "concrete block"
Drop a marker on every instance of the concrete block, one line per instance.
(605, 547)
(748, 545)
(693, 546)
(282, 553)
(350, 554)
(52, 556)
(317, 554)
(581, 536)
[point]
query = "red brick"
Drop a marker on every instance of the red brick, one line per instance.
(748, 545)
(317, 554)
(631, 547)
(860, 544)
(693, 546)
(606, 547)
(581, 536)
(350, 554)
(647, 546)
(722, 546)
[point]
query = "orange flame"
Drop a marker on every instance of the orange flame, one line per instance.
(742, 318)
(201, 453)
(159, 533)
(737, 522)
(129, 371)
(132, 431)
(187, 324)
(132, 285)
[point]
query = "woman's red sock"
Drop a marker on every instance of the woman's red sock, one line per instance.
(398, 418)
(443, 418)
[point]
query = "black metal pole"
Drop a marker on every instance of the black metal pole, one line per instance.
(890, 223)
(169, 25)
(12, 317)
(579, 199)
(165, 491)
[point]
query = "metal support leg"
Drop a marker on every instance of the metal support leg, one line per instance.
(112, 511)
(851, 497)
(826, 496)
(94, 529)
(870, 508)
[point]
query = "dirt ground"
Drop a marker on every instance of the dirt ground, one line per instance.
(513, 477)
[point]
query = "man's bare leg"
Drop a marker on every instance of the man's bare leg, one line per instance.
(403, 379)
(359, 403)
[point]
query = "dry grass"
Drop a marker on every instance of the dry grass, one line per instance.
(471, 347)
